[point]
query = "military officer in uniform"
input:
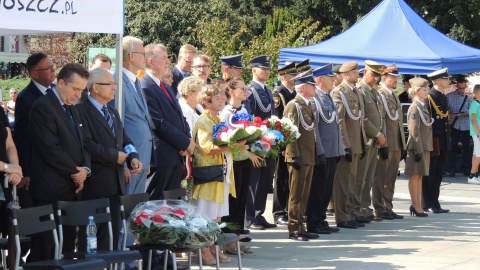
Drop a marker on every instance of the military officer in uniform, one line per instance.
(350, 116)
(260, 101)
(282, 96)
(232, 66)
(303, 66)
(383, 185)
(300, 155)
(329, 139)
(374, 125)
(437, 104)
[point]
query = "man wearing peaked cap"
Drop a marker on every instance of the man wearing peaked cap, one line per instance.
(232, 66)
(300, 155)
(374, 125)
(281, 191)
(338, 75)
(260, 100)
(329, 148)
(383, 186)
(350, 117)
(437, 104)
(303, 66)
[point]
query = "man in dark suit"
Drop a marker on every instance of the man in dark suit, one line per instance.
(183, 68)
(172, 134)
(42, 71)
(282, 96)
(437, 104)
(260, 100)
(59, 157)
(109, 147)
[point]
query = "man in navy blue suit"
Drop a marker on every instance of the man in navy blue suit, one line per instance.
(42, 71)
(171, 132)
(183, 68)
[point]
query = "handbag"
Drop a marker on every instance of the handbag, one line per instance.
(207, 174)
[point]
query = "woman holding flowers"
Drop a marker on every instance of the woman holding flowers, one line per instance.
(242, 161)
(211, 198)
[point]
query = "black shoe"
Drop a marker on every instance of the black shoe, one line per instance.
(443, 211)
(413, 212)
(451, 173)
(319, 230)
(267, 225)
(387, 216)
(281, 221)
(309, 235)
(326, 226)
(256, 226)
(395, 215)
(359, 224)
(297, 237)
(347, 225)
(434, 210)
(362, 219)
(243, 231)
(377, 219)
(245, 239)
(371, 217)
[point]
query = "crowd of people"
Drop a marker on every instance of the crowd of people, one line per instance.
(72, 143)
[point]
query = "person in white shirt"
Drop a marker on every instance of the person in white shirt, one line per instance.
(188, 90)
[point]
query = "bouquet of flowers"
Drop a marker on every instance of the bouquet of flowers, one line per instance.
(286, 128)
(238, 127)
(172, 222)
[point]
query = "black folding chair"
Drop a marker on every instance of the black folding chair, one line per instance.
(77, 213)
(127, 204)
(28, 221)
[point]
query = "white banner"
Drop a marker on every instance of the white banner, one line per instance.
(19, 17)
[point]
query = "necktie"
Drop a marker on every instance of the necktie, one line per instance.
(138, 88)
(108, 118)
(162, 85)
(70, 116)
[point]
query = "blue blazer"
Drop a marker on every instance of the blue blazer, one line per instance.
(170, 128)
(136, 120)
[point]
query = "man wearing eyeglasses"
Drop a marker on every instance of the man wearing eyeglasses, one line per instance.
(172, 134)
(110, 149)
(183, 68)
(202, 67)
(42, 73)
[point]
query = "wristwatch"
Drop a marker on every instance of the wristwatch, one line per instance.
(5, 166)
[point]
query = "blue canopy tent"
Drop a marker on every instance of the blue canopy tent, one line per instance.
(391, 32)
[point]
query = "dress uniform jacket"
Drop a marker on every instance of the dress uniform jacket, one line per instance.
(300, 180)
(328, 133)
(374, 120)
(259, 99)
(419, 140)
(353, 133)
(281, 97)
(440, 128)
(394, 128)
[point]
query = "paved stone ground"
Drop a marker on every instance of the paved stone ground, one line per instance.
(440, 241)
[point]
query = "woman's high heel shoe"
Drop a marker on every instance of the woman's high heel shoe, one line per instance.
(413, 212)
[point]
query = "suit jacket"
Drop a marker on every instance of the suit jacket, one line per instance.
(395, 134)
(441, 127)
(21, 137)
(353, 132)
(373, 120)
(177, 78)
(301, 147)
(171, 130)
(107, 177)
(265, 97)
(281, 97)
(136, 120)
(57, 149)
(420, 135)
(329, 134)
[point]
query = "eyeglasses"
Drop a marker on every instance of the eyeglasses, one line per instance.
(12, 93)
(52, 67)
(142, 53)
(200, 67)
(111, 84)
(243, 89)
(186, 61)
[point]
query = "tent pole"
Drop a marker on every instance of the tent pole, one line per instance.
(118, 71)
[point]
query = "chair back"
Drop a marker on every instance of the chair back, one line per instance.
(175, 194)
(127, 204)
(76, 213)
(30, 221)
